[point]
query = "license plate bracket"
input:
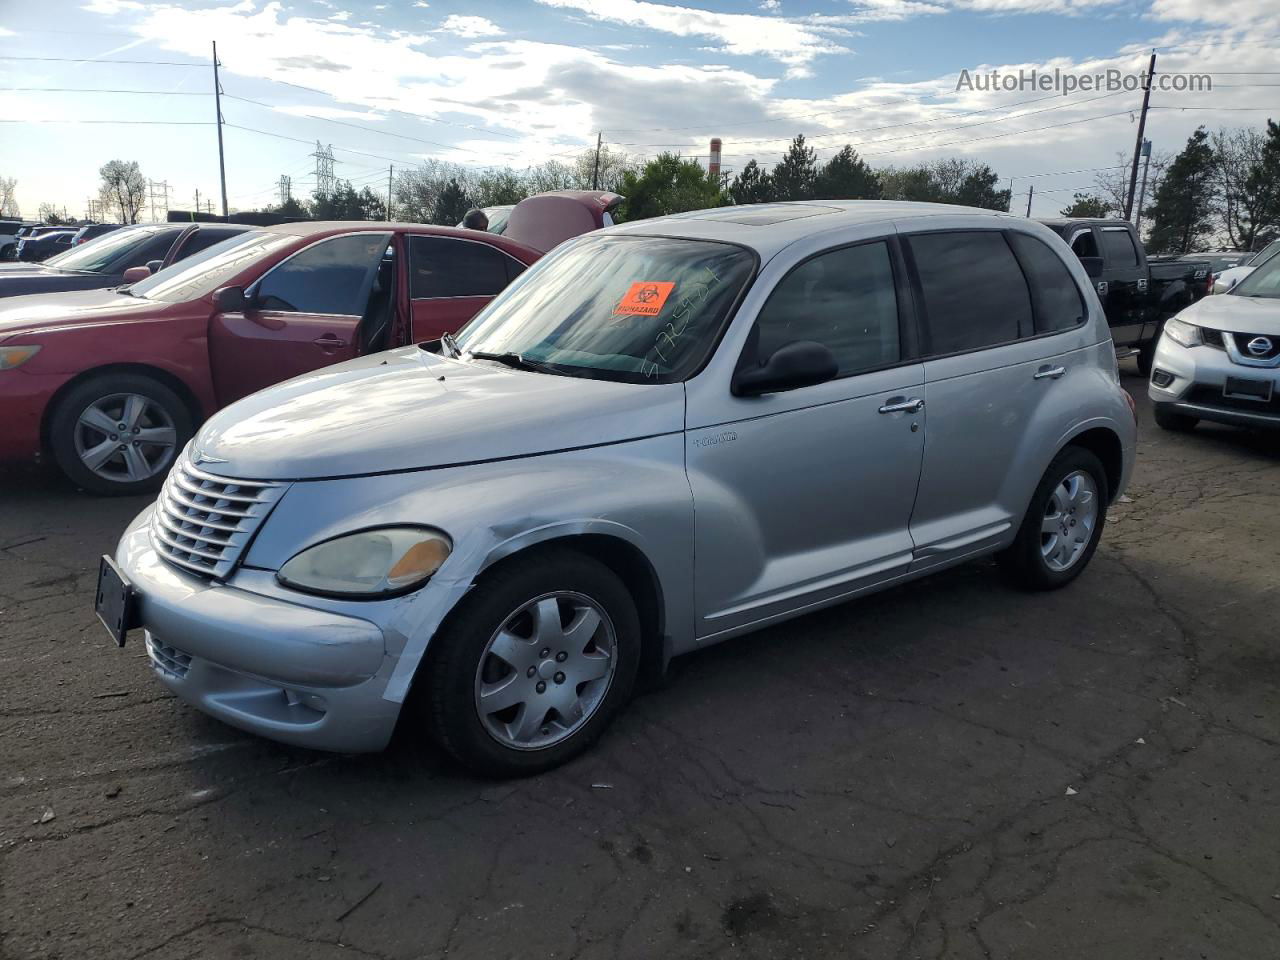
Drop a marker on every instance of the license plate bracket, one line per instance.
(1241, 388)
(116, 602)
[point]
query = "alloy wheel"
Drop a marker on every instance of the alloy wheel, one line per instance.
(1071, 515)
(125, 437)
(546, 670)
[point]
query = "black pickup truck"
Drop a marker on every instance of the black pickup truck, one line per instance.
(1138, 293)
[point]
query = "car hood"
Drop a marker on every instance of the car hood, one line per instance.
(408, 409)
(40, 312)
(1227, 311)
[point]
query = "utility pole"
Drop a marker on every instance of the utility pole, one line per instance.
(1008, 207)
(595, 173)
(217, 102)
(325, 180)
(197, 199)
(1142, 129)
(286, 188)
(390, 170)
(1142, 194)
(1031, 192)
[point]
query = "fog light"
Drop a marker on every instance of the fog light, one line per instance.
(1161, 378)
(299, 698)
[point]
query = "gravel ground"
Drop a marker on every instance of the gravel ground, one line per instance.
(951, 769)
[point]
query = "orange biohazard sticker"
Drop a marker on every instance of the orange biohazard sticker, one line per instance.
(644, 299)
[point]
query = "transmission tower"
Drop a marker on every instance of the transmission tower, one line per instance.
(325, 180)
(160, 187)
(286, 189)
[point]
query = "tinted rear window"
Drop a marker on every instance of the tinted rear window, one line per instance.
(1059, 305)
(1118, 248)
(448, 267)
(974, 292)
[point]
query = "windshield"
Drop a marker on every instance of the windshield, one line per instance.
(1263, 282)
(97, 255)
(637, 309)
(206, 271)
(1263, 255)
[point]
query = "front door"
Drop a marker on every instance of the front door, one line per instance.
(450, 281)
(804, 496)
(304, 313)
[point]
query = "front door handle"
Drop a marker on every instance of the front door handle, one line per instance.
(903, 405)
(1049, 373)
(329, 340)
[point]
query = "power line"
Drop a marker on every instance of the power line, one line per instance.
(154, 63)
(147, 93)
(163, 123)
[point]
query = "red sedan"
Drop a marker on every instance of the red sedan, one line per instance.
(113, 383)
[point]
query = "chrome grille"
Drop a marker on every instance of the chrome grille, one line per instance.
(203, 522)
(169, 659)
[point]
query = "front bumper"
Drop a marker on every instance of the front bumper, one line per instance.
(1199, 375)
(288, 672)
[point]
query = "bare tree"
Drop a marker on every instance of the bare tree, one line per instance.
(124, 188)
(1247, 201)
(9, 198)
(52, 214)
(613, 166)
(1113, 185)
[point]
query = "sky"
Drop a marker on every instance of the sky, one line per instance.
(517, 82)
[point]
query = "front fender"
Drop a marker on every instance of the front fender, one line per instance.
(634, 492)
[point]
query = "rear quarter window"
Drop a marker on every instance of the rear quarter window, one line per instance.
(1057, 300)
(448, 267)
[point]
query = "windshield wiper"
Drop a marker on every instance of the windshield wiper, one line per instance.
(450, 344)
(516, 360)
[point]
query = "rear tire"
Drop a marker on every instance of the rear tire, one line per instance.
(563, 622)
(117, 434)
(1169, 419)
(1063, 523)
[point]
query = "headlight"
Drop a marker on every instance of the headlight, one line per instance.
(1180, 331)
(11, 357)
(369, 564)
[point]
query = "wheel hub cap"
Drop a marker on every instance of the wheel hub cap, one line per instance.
(125, 438)
(1070, 518)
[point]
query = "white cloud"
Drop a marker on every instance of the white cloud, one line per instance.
(772, 6)
(6, 32)
(421, 3)
(1239, 11)
(111, 7)
(470, 27)
(792, 42)
(342, 16)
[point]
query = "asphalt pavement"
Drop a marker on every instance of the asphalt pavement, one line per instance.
(951, 769)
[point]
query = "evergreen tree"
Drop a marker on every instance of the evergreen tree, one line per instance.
(846, 176)
(451, 205)
(751, 185)
(668, 184)
(1087, 205)
(795, 175)
(1182, 213)
(978, 189)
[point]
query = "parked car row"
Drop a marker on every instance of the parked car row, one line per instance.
(111, 376)
(660, 436)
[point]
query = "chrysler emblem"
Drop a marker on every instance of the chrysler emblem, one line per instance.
(199, 457)
(1259, 346)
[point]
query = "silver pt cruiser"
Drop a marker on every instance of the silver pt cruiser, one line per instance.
(661, 436)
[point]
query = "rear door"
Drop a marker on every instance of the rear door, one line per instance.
(451, 279)
(1127, 283)
(995, 351)
(303, 314)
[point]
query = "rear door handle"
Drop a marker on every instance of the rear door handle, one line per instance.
(329, 340)
(903, 405)
(1049, 373)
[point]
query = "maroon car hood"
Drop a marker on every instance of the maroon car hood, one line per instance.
(547, 219)
(79, 308)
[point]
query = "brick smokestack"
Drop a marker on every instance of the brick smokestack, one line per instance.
(713, 167)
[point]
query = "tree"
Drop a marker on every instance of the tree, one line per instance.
(290, 208)
(552, 175)
(452, 204)
(668, 184)
(124, 189)
(495, 187)
(1113, 184)
(1087, 205)
(978, 189)
(345, 203)
(951, 180)
(52, 215)
(9, 198)
(751, 185)
(1182, 213)
(846, 176)
(1247, 170)
(795, 175)
(614, 165)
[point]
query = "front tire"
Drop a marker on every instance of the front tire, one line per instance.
(533, 664)
(1169, 419)
(1063, 524)
(118, 433)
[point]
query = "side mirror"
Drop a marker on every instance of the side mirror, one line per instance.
(155, 266)
(134, 274)
(800, 363)
(230, 300)
(1092, 266)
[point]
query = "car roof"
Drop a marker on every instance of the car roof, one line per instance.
(768, 227)
(322, 228)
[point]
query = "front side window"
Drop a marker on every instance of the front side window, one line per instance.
(635, 309)
(1118, 247)
(332, 277)
(449, 267)
(844, 299)
(974, 292)
(1059, 305)
(1083, 244)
